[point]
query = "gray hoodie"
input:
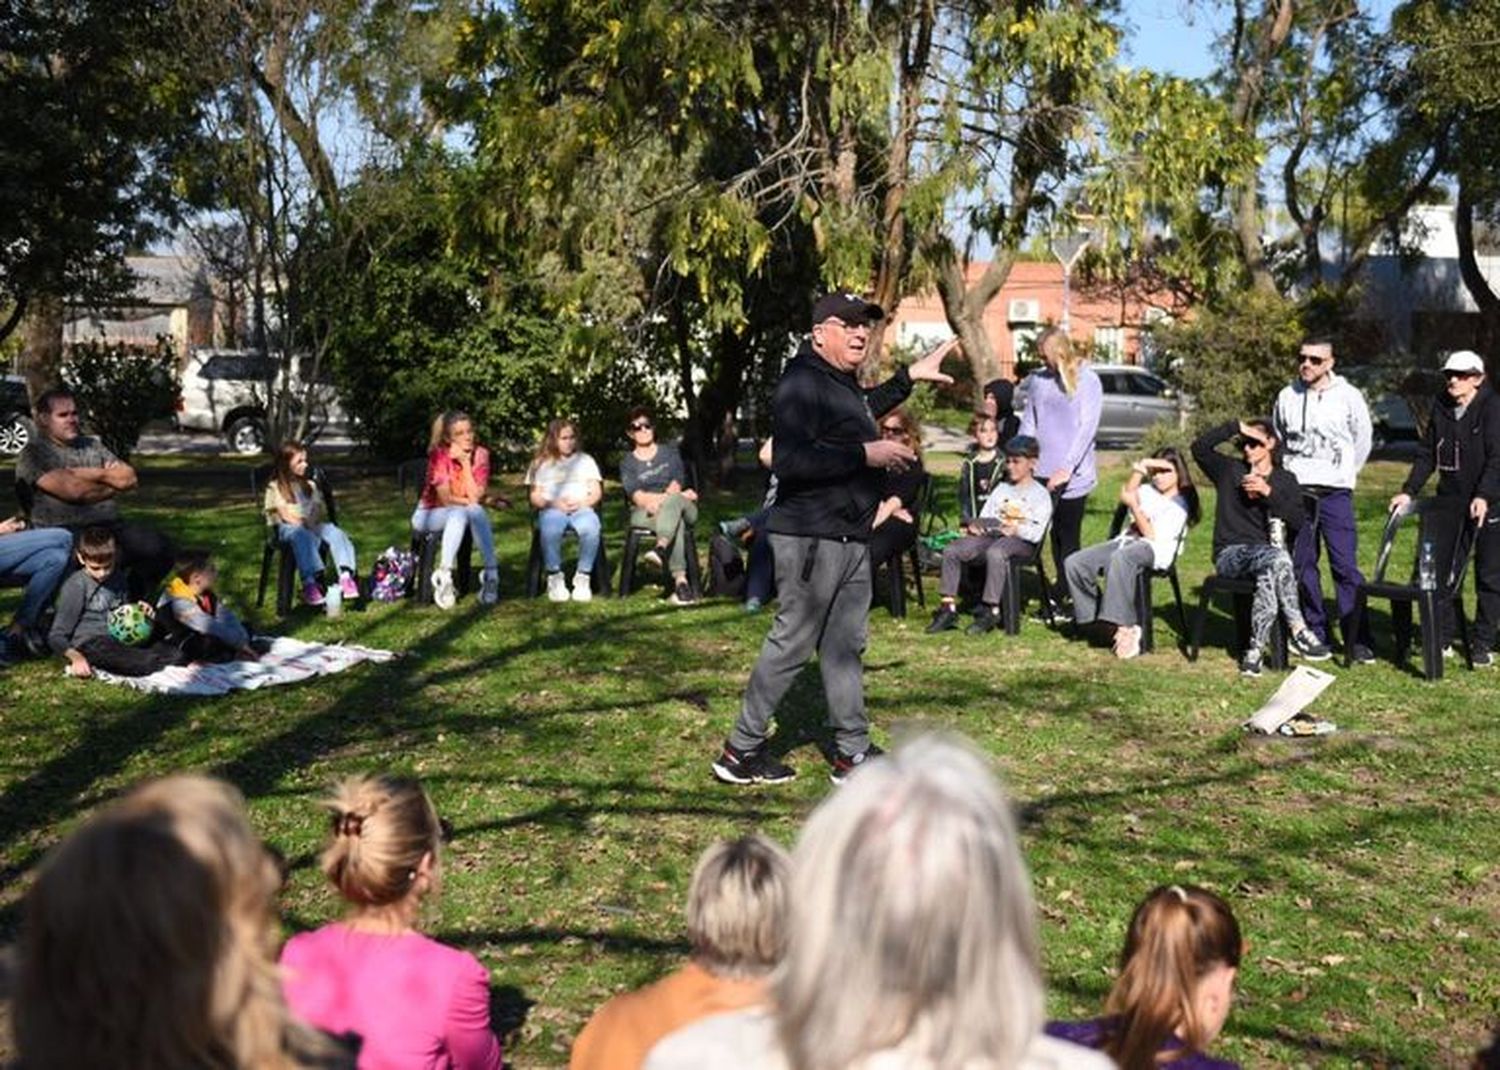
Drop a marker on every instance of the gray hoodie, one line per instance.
(1325, 434)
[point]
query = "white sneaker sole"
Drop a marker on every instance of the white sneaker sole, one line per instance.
(443, 595)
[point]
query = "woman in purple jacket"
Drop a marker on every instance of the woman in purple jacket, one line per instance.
(1176, 985)
(1063, 401)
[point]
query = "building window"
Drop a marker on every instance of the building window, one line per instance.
(1109, 345)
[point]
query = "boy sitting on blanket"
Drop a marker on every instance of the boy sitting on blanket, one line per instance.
(193, 619)
(81, 626)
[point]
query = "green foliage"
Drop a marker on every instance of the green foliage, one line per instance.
(1231, 361)
(121, 388)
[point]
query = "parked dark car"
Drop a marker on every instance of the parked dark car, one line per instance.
(15, 415)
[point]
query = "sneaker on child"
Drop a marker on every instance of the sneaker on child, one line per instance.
(312, 593)
(734, 766)
(443, 594)
(348, 585)
(489, 587)
(944, 618)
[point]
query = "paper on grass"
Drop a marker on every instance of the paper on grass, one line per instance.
(1295, 694)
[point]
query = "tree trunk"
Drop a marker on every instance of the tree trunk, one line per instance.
(42, 346)
(1275, 27)
(964, 307)
(1474, 280)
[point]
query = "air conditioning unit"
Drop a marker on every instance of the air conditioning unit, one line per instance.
(1024, 311)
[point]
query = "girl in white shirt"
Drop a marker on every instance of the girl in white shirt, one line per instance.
(565, 486)
(1162, 503)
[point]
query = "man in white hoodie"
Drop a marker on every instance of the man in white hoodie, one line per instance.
(1324, 425)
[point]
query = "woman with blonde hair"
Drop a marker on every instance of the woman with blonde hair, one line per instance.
(412, 1001)
(565, 487)
(896, 518)
(1176, 985)
(147, 943)
(454, 495)
(912, 941)
(1063, 403)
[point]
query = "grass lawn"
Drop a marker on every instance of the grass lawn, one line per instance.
(569, 747)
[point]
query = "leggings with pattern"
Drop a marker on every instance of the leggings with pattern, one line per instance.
(1275, 586)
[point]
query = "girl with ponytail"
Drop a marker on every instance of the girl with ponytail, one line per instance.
(1176, 983)
(410, 1000)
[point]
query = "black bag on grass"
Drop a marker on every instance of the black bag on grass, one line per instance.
(726, 568)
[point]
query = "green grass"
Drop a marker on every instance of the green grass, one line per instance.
(569, 747)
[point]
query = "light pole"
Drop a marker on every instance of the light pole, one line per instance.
(1068, 249)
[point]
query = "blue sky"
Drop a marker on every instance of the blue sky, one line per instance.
(1173, 36)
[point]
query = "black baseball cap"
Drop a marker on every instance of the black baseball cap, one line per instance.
(851, 308)
(1022, 446)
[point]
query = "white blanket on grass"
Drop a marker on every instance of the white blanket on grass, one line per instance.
(286, 662)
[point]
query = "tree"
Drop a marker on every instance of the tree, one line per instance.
(98, 104)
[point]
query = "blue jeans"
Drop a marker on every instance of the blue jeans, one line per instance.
(452, 521)
(307, 545)
(552, 523)
(40, 557)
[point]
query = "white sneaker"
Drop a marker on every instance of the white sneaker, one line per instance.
(583, 590)
(489, 587)
(443, 595)
(557, 587)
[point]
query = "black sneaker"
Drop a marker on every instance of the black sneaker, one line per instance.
(944, 619)
(1307, 645)
(682, 594)
(1250, 664)
(735, 766)
(1483, 659)
(845, 764)
(1359, 654)
(986, 619)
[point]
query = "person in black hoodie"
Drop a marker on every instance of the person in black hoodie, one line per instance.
(830, 463)
(1254, 490)
(1462, 445)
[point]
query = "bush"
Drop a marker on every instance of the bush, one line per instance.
(120, 388)
(1232, 361)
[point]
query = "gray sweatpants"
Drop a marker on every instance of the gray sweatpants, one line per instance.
(1122, 563)
(1275, 585)
(823, 605)
(995, 551)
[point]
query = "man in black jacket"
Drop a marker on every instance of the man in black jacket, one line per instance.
(1253, 491)
(829, 461)
(1462, 445)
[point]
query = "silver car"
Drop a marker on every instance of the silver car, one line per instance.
(1134, 399)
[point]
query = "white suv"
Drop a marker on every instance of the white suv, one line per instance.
(226, 391)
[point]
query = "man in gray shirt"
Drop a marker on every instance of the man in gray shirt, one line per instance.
(72, 480)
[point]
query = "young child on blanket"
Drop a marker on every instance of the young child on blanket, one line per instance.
(195, 621)
(80, 628)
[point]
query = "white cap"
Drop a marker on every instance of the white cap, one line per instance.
(1464, 360)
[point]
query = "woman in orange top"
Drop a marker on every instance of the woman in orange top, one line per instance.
(454, 496)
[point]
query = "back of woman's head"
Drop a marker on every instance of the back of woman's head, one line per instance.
(1056, 343)
(1176, 937)
(912, 920)
(736, 910)
(381, 828)
(148, 939)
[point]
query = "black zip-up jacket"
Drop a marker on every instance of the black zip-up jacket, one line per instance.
(1240, 520)
(821, 419)
(1465, 452)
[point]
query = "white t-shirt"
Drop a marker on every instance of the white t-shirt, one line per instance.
(566, 477)
(1168, 518)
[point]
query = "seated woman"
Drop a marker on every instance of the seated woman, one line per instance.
(1162, 501)
(412, 1001)
(454, 496)
(565, 486)
(294, 506)
(655, 482)
(896, 516)
(1175, 988)
(146, 942)
(40, 557)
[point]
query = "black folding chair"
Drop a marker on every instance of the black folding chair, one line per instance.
(1432, 525)
(280, 552)
(1243, 592)
(598, 579)
(1010, 607)
(1144, 603)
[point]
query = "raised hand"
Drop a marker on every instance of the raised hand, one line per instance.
(928, 368)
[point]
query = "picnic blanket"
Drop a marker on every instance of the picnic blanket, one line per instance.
(286, 661)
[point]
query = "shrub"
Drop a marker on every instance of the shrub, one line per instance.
(120, 388)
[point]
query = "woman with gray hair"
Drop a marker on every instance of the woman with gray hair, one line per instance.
(912, 941)
(736, 917)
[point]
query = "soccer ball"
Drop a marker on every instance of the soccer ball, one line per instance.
(131, 622)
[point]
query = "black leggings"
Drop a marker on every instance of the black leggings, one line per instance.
(1067, 531)
(108, 653)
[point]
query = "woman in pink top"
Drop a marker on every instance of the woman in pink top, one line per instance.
(454, 496)
(414, 1004)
